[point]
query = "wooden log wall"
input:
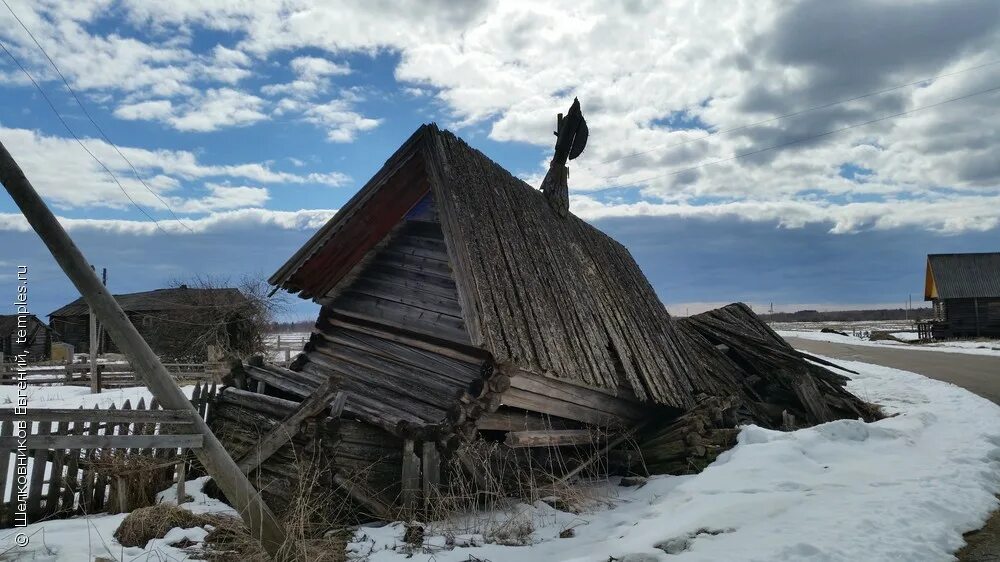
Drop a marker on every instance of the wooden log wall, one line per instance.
(343, 449)
(67, 450)
(691, 442)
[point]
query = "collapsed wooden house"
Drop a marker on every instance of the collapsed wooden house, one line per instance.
(24, 334)
(458, 302)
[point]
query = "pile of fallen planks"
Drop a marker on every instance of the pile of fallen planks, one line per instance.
(692, 441)
(786, 388)
(779, 388)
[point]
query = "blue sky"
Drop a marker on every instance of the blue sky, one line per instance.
(255, 123)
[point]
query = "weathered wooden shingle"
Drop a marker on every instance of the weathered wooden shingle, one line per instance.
(540, 292)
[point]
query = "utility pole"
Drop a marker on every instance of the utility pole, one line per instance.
(95, 375)
(213, 456)
(95, 384)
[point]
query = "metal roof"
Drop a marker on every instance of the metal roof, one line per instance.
(963, 276)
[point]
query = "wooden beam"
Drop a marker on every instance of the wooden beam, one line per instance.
(106, 416)
(361, 494)
(410, 477)
(604, 451)
(550, 438)
(213, 456)
(36, 442)
(284, 431)
(431, 468)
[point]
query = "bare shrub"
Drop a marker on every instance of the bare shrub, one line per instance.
(213, 317)
(138, 476)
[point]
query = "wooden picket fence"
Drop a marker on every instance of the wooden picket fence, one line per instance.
(110, 375)
(78, 456)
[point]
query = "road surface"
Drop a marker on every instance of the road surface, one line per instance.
(976, 373)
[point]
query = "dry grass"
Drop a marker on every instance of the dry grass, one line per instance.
(486, 494)
(312, 511)
(147, 523)
(143, 477)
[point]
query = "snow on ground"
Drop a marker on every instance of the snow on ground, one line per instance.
(904, 488)
(76, 396)
(88, 537)
(981, 347)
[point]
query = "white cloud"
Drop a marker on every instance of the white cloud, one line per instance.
(241, 219)
(341, 123)
(208, 111)
(640, 69)
(315, 67)
(80, 182)
(218, 108)
(145, 110)
(224, 197)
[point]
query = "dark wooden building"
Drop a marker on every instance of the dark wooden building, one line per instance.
(178, 323)
(965, 292)
(457, 301)
(25, 334)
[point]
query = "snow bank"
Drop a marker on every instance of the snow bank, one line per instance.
(985, 347)
(904, 488)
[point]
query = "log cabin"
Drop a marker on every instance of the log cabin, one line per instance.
(178, 323)
(458, 303)
(25, 334)
(965, 292)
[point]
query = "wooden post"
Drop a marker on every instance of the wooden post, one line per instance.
(95, 385)
(431, 467)
(181, 478)
(121, 491)
(410, 477)
(213, 456)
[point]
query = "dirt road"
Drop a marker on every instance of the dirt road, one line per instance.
(977, 373)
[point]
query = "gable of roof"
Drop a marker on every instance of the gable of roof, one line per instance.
(548, 294)
(961, 276)
(162, 299)
(8, 323)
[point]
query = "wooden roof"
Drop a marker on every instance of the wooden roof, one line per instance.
(8, 323)
(545, 293)
(963, 276)
(162, 299)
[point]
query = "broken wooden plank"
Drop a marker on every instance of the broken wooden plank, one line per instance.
(283, 432)
(550, 438)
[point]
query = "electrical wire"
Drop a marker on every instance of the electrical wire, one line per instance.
(75, 137)
(91, 119)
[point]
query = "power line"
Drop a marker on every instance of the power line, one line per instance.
(70, 130)
(91, 119)
(795, 113)
(792, 142)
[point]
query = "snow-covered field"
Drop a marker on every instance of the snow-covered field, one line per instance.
(977, 347)
(284, 346)
(904, 488)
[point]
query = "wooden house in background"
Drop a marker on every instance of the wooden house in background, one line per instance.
(965, 292)
(458, 302)
(175, 321)
(27, 335)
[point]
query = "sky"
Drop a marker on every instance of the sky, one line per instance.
(803, 153)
